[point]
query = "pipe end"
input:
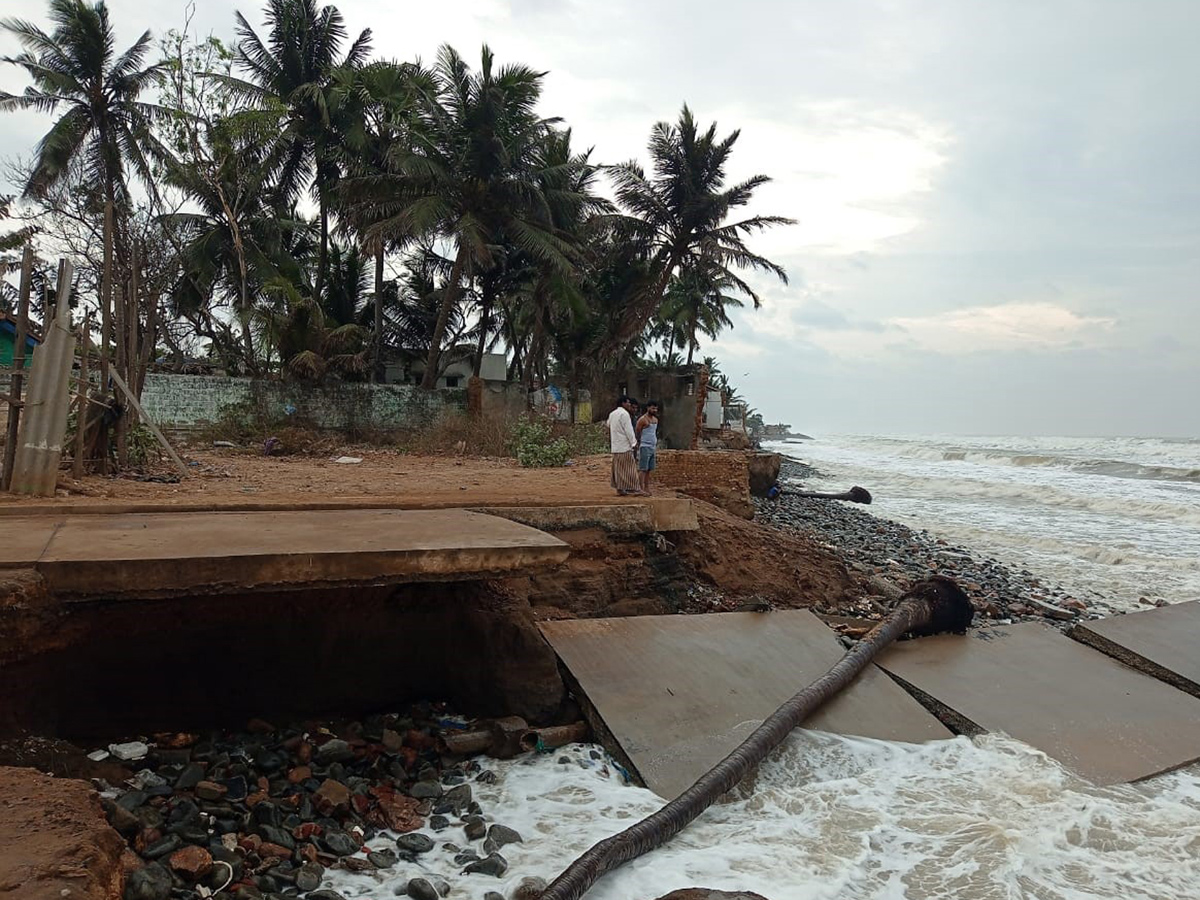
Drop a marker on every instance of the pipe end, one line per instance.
(949, 606)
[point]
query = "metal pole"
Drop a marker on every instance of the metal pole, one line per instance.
(14, 404)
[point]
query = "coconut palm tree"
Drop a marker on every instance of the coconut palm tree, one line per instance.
(379, 102)
(684, 211)
(103, 126)
(293, 71)
(471, 177)
(695, 304)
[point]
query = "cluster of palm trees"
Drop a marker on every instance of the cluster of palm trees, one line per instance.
(293, 204)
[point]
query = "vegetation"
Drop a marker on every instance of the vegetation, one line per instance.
(291, 204)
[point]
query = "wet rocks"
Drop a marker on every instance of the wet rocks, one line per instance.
(493, 864)
(502, 835)
(414, 843)
(278, 807)
(150, 883)
(474, 827)
(420, 889)
(885, 557)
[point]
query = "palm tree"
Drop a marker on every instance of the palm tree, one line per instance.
(230, 241)
(696, 302)
(684, 212)
(379, 102)
(104, 124)
(294, 71)
(471, 177)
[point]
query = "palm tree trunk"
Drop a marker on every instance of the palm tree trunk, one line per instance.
(485, 319)
(378, 373)
(691, 339)
(450, 297)
(323, 250)
(930, 607)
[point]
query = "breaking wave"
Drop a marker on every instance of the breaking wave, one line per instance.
(1111, 518)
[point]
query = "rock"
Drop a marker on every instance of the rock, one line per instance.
(308, 877)
(467, 856)
(475, 828)
(325, 895)
(334, 751)
(443, 888)
(193, 863)
(705, 894)
(151, 883)
(493, 864)
(415, 843)
(280, 836)
(210, 790)
(163, 846)
(502, 835)
(383, 859)
(459, 796)
(332, 796)
(267, 850)
(425, 790)
(191, 776)
(339, 843)
(399, 813)
(437, 823)
(123, 820)
(492, 895)
(420, 889)
(129, 751)
(529, 888)
(487, 776)
(299, 774)
(392, 742)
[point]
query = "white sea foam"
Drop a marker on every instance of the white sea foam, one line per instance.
(847, 818)
(1114, 519)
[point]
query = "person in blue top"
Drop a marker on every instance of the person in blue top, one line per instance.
(647, 436)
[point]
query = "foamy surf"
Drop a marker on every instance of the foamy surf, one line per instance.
(837, 818)
(1111, 519)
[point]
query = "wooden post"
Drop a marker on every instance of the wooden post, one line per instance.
(133, 401)
(131, 323)
(81, 416)
(18, 377)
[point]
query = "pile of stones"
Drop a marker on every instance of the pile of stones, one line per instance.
(887, 557)
(267, 813)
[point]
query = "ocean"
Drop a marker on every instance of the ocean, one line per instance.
(837, 818)
(1112, 520)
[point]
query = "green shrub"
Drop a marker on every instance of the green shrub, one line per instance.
(534, 445)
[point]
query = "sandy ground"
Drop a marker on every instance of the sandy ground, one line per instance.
(55, 841)
(229, 477)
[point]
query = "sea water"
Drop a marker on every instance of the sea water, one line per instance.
(1112, 520)
(837, 818)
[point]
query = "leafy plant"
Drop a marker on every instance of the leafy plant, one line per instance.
(534, 445)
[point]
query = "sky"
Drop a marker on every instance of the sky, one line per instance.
(997, 202)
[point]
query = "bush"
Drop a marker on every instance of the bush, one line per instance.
(534, 445)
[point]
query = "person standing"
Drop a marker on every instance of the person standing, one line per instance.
(623, 443)
(647, 435)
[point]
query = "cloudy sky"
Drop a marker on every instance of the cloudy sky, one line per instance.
(998, 201)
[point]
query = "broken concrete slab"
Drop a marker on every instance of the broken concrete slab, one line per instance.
(1160, 642)
(180, 554)
(677, 693)
(665, 514)
(1098, 717)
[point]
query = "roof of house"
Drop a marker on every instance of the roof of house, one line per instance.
(8, 325)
